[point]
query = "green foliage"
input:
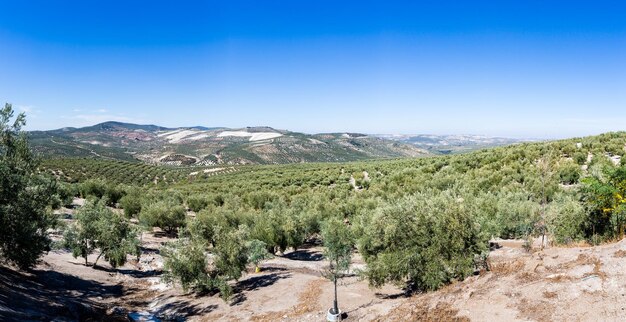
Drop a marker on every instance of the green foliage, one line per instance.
(231, 255)
(101, 189)
(25, 196)
(198, 202)
(566, 219)
(131, 202)
(98, 227)
(517, 215)
(167, 214)
(186, 263)
(604, 197)
(569, 173)
(75, 170)
(65, 195)
(93, 188)
(418, 221)
(424, 240)
(338, 244)
(257, 252)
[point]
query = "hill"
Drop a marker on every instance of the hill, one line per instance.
(203, 146)
(448, 144)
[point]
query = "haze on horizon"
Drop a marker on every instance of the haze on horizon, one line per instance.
(511, 68)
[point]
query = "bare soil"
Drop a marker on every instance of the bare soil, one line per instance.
(555, 284)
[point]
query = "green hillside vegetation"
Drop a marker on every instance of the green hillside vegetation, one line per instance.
(75, 170)
(420, 222)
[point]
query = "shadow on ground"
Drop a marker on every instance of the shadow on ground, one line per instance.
(44, 295)
(304, 255)
(255, 283)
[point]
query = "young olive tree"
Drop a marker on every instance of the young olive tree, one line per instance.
(25, 196)
(338, 244)
(257, 252)
(186, 261)
(99, 228)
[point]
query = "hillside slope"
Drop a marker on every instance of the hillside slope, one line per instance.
(208, 146)
(448, 144)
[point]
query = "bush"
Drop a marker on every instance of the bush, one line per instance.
(517, 215)
(604, 198)
(65, 195)
(206, 222)
(257, 252)
(113, 193)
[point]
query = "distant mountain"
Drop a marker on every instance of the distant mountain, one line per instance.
(446, 144)
(200, 145)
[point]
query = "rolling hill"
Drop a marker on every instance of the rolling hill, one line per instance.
(204, 146)
(449, 144)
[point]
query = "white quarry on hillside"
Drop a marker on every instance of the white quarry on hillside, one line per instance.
(178, 135)
(254, 136)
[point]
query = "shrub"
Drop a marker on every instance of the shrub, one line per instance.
(185, 262)
(65, 195)
(517, 215)
(113, 193)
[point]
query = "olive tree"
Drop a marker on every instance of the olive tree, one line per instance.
(165, 214)
(423, 241)
(186, 260)
(25, 196)
(257, 252)
(99, 228)
(338, 245)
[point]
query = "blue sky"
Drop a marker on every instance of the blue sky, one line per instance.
(507, 68)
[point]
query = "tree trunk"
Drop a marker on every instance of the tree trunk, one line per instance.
(335, 306)
(140, 243)
(97, 258)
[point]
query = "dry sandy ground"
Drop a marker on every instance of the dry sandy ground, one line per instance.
(556, 284)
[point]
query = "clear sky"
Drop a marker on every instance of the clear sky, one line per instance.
(539, 69)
